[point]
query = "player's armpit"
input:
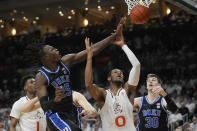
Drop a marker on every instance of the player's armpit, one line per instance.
(96, 92)
(130, 90)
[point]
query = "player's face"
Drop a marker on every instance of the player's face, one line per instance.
(30, 85)
(117, 76)
(52, 53)
(151, 82)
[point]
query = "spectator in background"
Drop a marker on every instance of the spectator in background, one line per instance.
(176, 118)
(193, 125)
(183, 110)
(190, 105)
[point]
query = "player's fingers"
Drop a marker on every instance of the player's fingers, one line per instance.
(83, 112)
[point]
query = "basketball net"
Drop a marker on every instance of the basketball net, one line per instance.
(132, 3)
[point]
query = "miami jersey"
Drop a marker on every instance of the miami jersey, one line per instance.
(117, 112)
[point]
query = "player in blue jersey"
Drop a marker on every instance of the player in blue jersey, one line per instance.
(152, 109)
(55, 72)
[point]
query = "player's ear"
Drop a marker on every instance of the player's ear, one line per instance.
(25, 88)
(109, 78)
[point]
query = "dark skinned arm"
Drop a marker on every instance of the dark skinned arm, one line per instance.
(97, 93)
(13, 123)
(72, 59)
(41, 87)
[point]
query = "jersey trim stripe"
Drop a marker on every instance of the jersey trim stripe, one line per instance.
(153, 101)
(59, 123)
(110, 93)
(45, 75)
(78, 113)
(65, 66)
(51, 71)
(119, 91)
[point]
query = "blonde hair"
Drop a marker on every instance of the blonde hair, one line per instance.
(156, 76)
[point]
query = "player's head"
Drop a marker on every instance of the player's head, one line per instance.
(37, 54)
(116, 76)
(28, 83)
(152, 80)
(49, 54)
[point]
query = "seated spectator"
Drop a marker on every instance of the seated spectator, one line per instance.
(183, 110)
(193, 125)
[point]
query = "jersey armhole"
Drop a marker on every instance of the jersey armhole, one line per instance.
(163, 105)
(45, 75)
(65, 66)
(140, 104)
(107, 91)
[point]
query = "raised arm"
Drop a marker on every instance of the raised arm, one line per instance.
(134, 74)
(88, 109)
(97, 93)
(168, 103)
(72, 59)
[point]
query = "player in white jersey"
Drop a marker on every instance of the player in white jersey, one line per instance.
(78, 99)
(116, 102)
(32, 121)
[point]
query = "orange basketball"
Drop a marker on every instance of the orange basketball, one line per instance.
(139, 14)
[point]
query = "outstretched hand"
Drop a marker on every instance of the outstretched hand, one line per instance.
(159, 90)
(88, 47)
(119, 39)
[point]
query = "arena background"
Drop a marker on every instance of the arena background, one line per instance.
(165, 45)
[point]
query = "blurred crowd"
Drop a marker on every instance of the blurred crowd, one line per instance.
(165, 47)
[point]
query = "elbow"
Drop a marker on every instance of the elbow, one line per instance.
(137, 65)
(89, 86)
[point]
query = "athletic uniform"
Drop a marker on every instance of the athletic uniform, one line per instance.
(152, 116)
(31, 121)
(117, 112)
(66, 116)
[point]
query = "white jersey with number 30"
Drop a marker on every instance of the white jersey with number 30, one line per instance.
(117, 112)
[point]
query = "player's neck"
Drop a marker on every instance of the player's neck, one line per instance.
(31, 96)
(152, 97)
(114, 88)
(51, 66)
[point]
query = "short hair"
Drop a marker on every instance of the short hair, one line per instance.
(154, 75)
(24, 80)
(33, 54)
(109, 73)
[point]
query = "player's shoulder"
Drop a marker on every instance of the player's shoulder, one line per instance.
(21, 100)
(138, 98)
(19, 103)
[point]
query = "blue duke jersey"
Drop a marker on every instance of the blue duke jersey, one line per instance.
(65, 109)
(152, 116)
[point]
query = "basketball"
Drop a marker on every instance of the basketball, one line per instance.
(139, 14)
